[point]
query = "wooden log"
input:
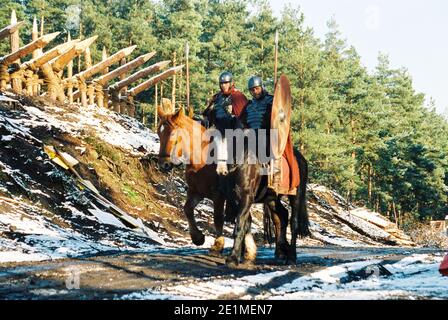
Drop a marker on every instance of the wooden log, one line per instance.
(64, 59)
(83, 90)
(69, 75)
(4, 77)
(87, 58)
(42, 23)
(156, 105)
(91, 92)
(21, 52)
(7, 31)
(55, 90)
(140, 74)
(34, 36)
(15, 45)
(35, 64)
(187, 75)
(87, 74)
(15, 38)
(103, 58)
(149, 83)
(29, 82)
(173, 89)
(103, 80)
(123, 76)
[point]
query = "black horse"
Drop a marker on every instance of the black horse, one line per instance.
(246, 185)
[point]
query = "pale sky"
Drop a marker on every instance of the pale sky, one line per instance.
(413, 33)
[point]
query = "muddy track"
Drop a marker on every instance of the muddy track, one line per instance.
(114, 276)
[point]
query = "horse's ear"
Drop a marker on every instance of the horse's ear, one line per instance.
(191, 112)
(162, 114)
(167, 106)
(179, 113)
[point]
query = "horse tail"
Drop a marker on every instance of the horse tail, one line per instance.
(302, 214)
(268, 225)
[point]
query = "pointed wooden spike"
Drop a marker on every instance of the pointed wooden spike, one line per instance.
(127, 51)
(148, 56)
(99, 67)
(104, 54)
(35, 32)
(13, 17)
(151, 82)
(69, 37)
(49, 55)
(60, 62)
(140, 74)
(21, 52)
(103, 80)
(50, 37)
(7, 31)
(83, 45)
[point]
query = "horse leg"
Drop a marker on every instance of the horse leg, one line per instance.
(299, 225)
(218, 217)
(299, 214)
(282, 244)
(250, 247)
(242, 229)
(197, 236)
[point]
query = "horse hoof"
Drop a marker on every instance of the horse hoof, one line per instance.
(247, 265)
(232, 262)
(215, 253)
(198, 240)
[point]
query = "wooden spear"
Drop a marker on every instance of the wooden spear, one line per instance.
(187, 58)
(70, 74)
(275, 58)
(173, 91)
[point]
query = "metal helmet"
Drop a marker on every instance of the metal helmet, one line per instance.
(254, 81)
(225, 77)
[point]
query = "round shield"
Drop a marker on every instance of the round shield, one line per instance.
(281, 116)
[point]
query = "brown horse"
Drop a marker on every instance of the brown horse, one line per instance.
(201, 178)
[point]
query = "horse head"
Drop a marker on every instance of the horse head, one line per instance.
(171, 143)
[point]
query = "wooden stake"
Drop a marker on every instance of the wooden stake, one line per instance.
(42, 26)
(152, 81)
(34, 37)
(15, 45)
(187, 58)
(173, 92)
(70, 74)
(275, 58)
(156, 104)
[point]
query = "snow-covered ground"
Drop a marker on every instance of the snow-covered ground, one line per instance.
(414, 277)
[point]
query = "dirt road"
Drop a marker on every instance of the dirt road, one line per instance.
(321, 273)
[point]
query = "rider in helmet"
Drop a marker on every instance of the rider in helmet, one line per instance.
(226, 104)
(257, 115)
(222, 111)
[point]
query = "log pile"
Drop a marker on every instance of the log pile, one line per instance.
(362, 220)
(50, 73)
